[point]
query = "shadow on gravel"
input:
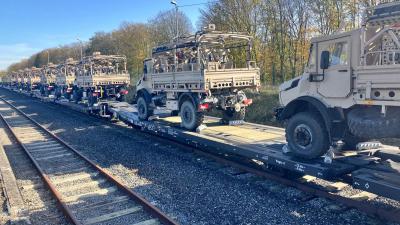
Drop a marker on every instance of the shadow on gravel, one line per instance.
(39, 201)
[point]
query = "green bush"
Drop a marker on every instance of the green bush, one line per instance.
(262, 110)
(130, 97)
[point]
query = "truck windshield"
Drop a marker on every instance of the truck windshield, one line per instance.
(312, 58)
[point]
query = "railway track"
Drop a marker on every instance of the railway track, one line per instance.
(335, 191)
(86, 193)
(38, 206)
(331, 190)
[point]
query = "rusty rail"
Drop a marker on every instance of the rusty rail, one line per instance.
(384, 214)
(138, 198)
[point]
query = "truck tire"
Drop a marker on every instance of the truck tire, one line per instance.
(307, 136)
(190, 117)
(367, 123)
(77, 96)
(144, 111)
(230, 114)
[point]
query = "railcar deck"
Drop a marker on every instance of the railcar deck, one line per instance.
(376, 171)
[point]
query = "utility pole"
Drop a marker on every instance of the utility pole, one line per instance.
(48, 57)
(80, 41)
(173, 2)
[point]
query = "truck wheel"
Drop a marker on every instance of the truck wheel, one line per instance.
(306, 135)
(230, 114)
(144, 111)
(190, 117)
(367, 123)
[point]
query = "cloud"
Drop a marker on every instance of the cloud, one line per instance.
(14, 53)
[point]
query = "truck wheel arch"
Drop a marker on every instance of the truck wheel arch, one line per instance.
(306, 103)
(145, 94)
(187, 95)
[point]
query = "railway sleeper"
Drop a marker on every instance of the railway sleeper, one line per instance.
(262, 145)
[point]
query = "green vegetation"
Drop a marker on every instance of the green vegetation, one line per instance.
(262, 111)
(2, 74)
(134, 40)
(282, 30)
(131, 96)
(263, 108)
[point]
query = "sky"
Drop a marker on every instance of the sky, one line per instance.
(29, 26)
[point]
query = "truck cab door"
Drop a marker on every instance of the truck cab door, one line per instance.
(337, 78)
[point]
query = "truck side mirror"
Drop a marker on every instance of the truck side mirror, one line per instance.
(324, 60)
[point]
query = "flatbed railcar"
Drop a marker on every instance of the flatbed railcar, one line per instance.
(376, 170)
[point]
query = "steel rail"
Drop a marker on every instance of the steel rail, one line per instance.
(45, 178)
(138, 198)
(384, 214)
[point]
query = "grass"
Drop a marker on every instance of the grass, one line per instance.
(262, 110)
(130, 97)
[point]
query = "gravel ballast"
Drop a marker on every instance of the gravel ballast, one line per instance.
(39, 202)
(189, 188)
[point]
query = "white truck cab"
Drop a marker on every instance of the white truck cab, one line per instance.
(350, 89)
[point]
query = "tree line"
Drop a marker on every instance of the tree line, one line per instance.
(134, 40)
(282, 30)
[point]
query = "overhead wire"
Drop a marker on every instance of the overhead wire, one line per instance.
(196, 4)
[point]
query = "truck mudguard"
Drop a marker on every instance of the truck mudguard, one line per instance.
(145, 94)
(192, 96)
(329, 115)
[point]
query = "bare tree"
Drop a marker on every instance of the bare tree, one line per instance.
(282, 30)
(163, 26)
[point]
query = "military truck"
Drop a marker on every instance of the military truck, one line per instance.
(102, 76)
(21, 78)
(29, 77)
(33, 80)
(12, 79)
(197, 73)
(66, 77)
(6, 80)
(350, 90)
(48, 79)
